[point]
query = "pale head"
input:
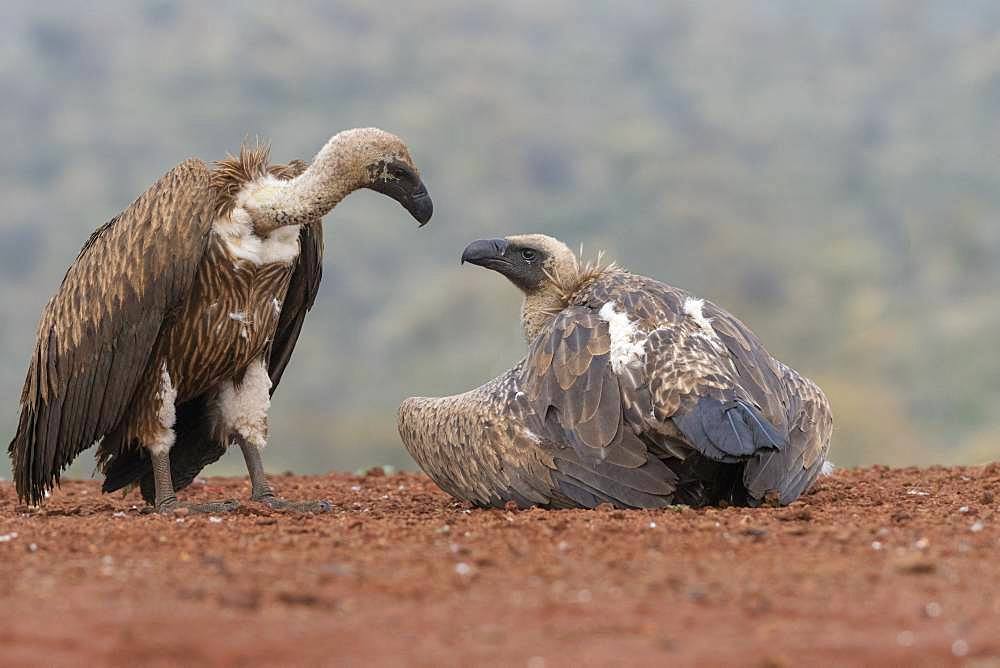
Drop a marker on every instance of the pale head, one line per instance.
(543, 268)
(383, 164)
(352, 159)
(532, 262)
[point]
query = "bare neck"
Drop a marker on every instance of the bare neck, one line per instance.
(335, 173)
(538, 310)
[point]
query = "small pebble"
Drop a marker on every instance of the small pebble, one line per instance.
(214, 520)
(906, 638)
(977, 526)
(7, 537)
(960, 647)
(933, 609)
(876, 545)
(463, 568)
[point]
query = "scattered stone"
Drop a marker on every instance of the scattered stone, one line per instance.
(915, 564)
(183, 512)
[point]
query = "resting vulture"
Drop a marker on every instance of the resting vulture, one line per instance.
(173, 326)
(633, 393)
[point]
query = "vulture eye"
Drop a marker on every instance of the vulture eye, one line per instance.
(397, 171)
(528, 254)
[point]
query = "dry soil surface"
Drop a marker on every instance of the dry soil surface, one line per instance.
(876, 567)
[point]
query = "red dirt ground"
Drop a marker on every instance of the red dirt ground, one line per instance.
(878, 566)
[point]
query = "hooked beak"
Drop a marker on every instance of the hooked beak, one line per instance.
(410, 192)
(419, 204)
(487, 253)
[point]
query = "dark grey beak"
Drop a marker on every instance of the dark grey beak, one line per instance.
(419, 204)
(486, 253)
(409, 191)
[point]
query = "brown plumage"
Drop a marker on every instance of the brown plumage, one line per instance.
(178, 317)
(633, 392)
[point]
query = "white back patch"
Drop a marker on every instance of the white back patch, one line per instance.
(693, 308)
(628, 344)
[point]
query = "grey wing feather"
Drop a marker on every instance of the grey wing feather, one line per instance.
(733, 402)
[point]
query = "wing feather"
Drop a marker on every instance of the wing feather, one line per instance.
(97, 333)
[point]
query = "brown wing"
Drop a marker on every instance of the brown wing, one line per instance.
(711, 380)
(97, 333)
(302, 290)
(584, 413)
(478, 446)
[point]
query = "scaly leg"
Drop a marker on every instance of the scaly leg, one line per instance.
(243, 409)
(159, 452)
(166, 500)
(260, 488)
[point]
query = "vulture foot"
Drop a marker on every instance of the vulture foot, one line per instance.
(274, 503)
(171, 506)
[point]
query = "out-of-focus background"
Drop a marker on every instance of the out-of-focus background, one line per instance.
(826, 171)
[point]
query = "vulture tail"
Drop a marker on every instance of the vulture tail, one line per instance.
(728, 431)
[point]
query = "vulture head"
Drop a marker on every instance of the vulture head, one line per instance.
(533, 262)
(389, 169)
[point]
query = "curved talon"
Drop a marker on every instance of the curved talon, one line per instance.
(171, 506)
(274, 503)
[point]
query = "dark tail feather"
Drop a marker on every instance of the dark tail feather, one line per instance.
(729, 432)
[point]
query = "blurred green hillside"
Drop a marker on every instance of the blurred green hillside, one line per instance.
(827, 171)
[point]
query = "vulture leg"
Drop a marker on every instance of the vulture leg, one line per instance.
(154, 428)
(243, 408)
(166, 500)
(260, 488)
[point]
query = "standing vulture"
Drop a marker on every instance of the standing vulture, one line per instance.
(173, 326)
(633, 393)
